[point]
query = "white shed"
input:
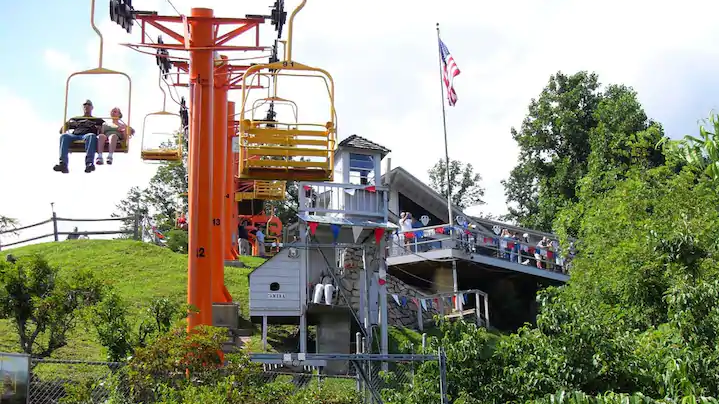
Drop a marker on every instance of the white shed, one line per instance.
(275, 285)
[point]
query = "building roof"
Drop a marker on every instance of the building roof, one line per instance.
(358, 142)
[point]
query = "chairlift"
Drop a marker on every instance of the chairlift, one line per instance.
(123, 144)
(171, 148)
(273, 150)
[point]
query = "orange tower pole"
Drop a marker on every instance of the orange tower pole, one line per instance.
(229, 218)
(199, 286)
(219, 156)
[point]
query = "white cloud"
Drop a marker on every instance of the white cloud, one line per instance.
(383, 56)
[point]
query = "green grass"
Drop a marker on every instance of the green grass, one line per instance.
(139, 271)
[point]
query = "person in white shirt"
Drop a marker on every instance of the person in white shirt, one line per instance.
(260, 241)
(405, 225)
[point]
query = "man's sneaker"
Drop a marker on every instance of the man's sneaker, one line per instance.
(89, 168)
(61, 167)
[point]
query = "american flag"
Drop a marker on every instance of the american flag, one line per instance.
(449, 72)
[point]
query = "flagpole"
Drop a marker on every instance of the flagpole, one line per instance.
(444, 124)
(446, 160)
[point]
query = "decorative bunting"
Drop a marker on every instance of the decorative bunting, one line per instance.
(403, 301)
(335, 231)
(424, 304)
(439, 230)
(382, 276)
(313, 227)
(356, 232)
(371, 188)
(396, 298)
(307, 187)
(378, 233)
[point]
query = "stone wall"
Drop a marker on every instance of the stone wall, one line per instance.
(350, 277)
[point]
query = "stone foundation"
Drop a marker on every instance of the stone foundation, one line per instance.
(350, 278)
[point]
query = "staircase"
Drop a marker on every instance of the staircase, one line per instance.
(227, 315)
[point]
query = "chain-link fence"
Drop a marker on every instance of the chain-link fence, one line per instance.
(377, 378)
(51, 380)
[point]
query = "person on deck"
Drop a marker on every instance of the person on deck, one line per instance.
(84, 128)
(115, 131)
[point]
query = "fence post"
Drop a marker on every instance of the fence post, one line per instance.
(54, 226)
(358, 350)
(477, 309)
(136, 229)
(443, 376)
(424, 342)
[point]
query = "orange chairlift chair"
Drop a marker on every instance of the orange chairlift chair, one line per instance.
(171, 148)
(272, 232)
(271, 150)
(123, 144)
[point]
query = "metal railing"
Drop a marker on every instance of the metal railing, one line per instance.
(55, 233)
(326, 198)
(433, 238)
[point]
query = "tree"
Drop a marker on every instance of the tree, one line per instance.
(44, 304)
(571, 130)
(134, 207)
(165, 195)
(7, 224)
(465, 183)
(700, 153)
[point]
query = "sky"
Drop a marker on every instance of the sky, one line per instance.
(384, 60)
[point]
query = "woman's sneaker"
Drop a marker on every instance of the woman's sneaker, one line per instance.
(99, 161)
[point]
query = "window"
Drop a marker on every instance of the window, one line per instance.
(274, 286)
(361, 169)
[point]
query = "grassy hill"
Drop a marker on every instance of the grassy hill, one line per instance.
(142, 272)
(139, 271)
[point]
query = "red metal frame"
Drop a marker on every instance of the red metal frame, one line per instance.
(183, 43)
(235, 82)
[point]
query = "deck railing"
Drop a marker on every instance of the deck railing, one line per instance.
(326, 198)
(432, 238)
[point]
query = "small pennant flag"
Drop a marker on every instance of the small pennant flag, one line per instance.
(313, 227)
(371, 188)
(416, 302)
(424, 304)
(356, 231)
(378, 233)
(403, 301)
(335, 231)
(382, 276)
(381, 282)
(306, 187)
(396, 299)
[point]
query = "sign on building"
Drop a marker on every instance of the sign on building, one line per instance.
(14, 378)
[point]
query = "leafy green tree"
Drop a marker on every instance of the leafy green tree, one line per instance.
(110, 319)
(700, 153)
(134, 207)
(43, 304)
(7, 223)
(554, 147)
(575, 137)
(464, 182)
